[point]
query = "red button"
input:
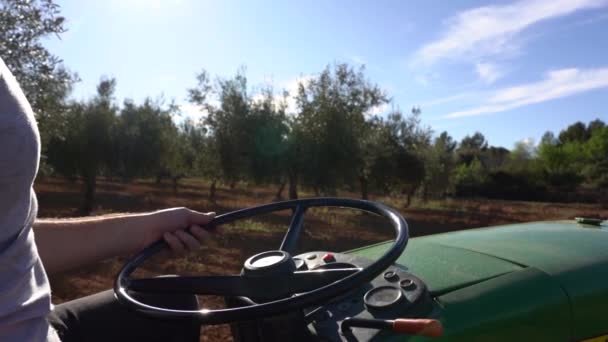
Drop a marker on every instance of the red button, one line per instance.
(329, 258)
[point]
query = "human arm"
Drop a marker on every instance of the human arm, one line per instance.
(64, 244)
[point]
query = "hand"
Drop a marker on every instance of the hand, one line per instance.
(181, 228)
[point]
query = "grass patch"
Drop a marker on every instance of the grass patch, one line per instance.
(251, 226)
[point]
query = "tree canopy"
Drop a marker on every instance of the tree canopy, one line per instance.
(339, 136)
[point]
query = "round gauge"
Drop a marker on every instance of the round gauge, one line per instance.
(383, 297)
(267, 261)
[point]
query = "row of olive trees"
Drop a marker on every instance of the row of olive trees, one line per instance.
(97, 137)
(330, 141)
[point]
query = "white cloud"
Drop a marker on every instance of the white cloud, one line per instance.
(257, 97)
(448, 99)
(525, 148)
(191, 111)
(358, 60)
(292, 84)
(488, 72)
(529, 141)
(379, 109)
(491, 30)
(292, 87)
(557, 84)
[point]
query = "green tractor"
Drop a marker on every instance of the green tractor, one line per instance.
(542, 281)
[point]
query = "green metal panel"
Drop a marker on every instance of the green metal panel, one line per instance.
(575, 255)
(564, 260)
(526, 305)
(444, 268)
(553, 247)
(588, 291)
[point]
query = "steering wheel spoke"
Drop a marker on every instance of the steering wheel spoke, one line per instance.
(230, 285)
(237, 285)
(290, 241)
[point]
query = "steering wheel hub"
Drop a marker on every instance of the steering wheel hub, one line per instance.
(271, 263)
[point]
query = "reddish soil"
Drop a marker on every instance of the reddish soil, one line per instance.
(334, 230)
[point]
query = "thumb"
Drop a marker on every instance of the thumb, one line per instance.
(199, 218)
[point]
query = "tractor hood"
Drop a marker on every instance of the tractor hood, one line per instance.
(442, 267)
(569, 258)
(562, 249)
(556, 248)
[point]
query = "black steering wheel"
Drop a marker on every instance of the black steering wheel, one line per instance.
(271, 276)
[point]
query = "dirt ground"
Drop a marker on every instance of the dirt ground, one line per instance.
(334, 230)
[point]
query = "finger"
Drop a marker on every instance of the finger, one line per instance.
(174, 243)
(199, 218)
(200, 233)
(188, 240)
(217, 229)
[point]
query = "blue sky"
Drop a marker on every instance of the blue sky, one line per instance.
(509, 69)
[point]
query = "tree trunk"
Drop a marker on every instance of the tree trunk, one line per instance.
(293, 186)
(212, 189)
(279, 195)
(363, 182)
(408, 197)
(159, 178)
(174, 181)
(425, 192)
(232, 184)
(90, 185)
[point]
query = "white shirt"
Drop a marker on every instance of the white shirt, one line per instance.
(25, 294)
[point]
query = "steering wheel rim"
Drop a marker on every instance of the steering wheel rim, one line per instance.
(317, 296)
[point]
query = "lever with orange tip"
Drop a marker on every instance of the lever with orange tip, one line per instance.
(422, 327)
(409, 326)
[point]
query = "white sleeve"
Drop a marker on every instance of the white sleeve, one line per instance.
(19, 155)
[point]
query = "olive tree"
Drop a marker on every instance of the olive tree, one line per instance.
(85, 147)
(331, 120)
(24, 24)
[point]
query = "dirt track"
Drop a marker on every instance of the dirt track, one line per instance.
(335, 230)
